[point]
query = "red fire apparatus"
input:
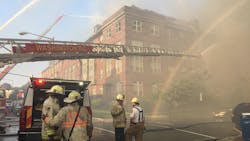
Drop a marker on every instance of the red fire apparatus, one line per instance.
(2, 103)
(25, 50)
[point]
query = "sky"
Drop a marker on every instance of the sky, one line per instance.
(77, 24)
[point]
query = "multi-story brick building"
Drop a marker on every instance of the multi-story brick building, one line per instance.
(133, 76)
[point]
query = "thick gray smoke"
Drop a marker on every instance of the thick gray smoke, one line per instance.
(228, 62)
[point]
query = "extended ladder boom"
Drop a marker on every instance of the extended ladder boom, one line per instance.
(24, 50)
(6, 70)
(11, 66)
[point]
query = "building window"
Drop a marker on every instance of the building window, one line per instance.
(172, 34)
(73, 72)
(139, 88)
(101, 90)
(156, 61)
(156, 30)
(118, 26)
(108, 67)
(84, 69)
(70, 74)
(137, 26)
(137, 63)
(94, 91)
(108, 33)
(101, 74)
(66, 74)
(92, 70)
(156, 89)
(156, 64)
(118, 66)
(101, 38)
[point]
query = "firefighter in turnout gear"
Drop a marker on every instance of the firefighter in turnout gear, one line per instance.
(51, 106)
(137, 121)
(119, 118)
(73, 119)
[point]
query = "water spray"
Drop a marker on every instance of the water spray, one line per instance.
(25, 8)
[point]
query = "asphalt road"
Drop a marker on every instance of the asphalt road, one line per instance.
(181, 132)
(158, 131)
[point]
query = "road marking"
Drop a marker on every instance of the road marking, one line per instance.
(195, 133)
(186, 131)
(106, 130)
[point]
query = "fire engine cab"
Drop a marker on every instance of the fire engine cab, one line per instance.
(30, 114)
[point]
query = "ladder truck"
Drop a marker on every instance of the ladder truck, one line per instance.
(26, 50)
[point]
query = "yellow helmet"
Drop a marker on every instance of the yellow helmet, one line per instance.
(56, 89)
(120, 97)
(72, 97)
(134, 100)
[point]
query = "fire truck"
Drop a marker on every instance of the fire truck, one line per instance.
(30, 116)
(2, 103)
(2, 108)
(25, 50)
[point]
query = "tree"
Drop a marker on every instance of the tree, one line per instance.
(186, 90)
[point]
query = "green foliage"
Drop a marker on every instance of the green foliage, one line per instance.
(185, 90)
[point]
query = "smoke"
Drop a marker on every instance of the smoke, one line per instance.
(228, 62)
(26, 7)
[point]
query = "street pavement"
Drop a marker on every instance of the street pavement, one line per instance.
(156, 130)
(182, 132)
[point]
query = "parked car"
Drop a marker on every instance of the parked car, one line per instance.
(237, 112)
(223, 115)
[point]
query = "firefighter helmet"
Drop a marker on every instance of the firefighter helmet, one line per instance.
(56, 89)
(72, 97)
(134, 100)
(120, 97)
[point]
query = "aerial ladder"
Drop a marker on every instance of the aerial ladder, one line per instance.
(26, 50)
(6, 70)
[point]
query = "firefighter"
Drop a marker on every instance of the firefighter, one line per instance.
(73, 131)
(137, 121)
(119, 117)
(51, 106)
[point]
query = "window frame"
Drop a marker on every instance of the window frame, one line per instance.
(118, 26)
(137, 26)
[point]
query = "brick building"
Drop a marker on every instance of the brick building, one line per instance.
(133, 76)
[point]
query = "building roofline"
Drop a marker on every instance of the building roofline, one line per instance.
(109, 20)
(126, 9)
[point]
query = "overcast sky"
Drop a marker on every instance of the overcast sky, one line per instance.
(81, 16)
